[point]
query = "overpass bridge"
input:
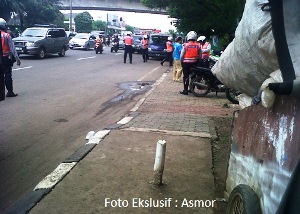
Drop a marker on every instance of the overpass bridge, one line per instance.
(109, 5)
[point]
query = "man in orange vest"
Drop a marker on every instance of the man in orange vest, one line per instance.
(128, 40)
(205, 48)
(145, 45)
(190, 55)
(169, 52)
(9, 56)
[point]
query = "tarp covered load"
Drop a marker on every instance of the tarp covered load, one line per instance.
(251, 57)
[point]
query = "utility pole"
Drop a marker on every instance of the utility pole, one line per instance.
(71, 17)
(2, 85)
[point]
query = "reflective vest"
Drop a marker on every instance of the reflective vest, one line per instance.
(145, 43)
(206, 54)
(169, 46)
(128, 40)
(191, 54)
(5, 46)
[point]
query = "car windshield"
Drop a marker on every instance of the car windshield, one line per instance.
(82, 36)
(158, 40)
(32, 32)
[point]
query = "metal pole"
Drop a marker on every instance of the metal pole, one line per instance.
(159, 164)
(71, 24)
(2, 85)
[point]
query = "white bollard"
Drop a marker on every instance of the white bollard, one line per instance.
(159, 162)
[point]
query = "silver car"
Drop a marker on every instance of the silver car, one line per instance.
(84, 41)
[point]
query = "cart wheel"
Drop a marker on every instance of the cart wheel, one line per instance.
(243, 200)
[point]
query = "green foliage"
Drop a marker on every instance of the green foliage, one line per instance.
(202, 15)
(99, 25)
(129, 28)
(83, 22)
(33, 12)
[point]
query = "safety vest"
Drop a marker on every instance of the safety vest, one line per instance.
(206, 54)
(99, 41)
(128, 40)
(191, 52)
(169, 46)
(145, 43)
(5, 46)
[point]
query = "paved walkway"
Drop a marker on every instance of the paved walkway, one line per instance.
(113, 171)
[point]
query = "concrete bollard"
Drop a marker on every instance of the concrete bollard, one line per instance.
(159, 162)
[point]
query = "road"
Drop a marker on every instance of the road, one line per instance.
(60, 100)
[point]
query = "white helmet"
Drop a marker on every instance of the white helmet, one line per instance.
(170, 38)
(192, 35)
(2, 22)
(145, 37)
(201, 38)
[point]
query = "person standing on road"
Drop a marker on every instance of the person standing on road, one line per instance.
(205, 48)
(190, 55)
(177, 67)
(145, 46)
(169, 52)
(128, 40)
(8, 58)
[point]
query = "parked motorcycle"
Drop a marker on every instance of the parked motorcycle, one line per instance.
(98, 48)
(203, 81)
(115, 47)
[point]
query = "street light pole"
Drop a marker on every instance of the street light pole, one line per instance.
(71, 24)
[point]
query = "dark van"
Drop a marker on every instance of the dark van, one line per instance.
(157, 45)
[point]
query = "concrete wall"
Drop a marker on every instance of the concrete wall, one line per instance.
(109, 5)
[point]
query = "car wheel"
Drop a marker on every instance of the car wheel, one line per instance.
(88, 47)
(62, 52)
(71, 47)
(243, 200)
(42, 53)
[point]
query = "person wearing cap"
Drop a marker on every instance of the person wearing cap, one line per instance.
(8, 58)
(177, 67)
(169, 52)
(190, 55)
(128, 40)
(205, 48)
(145, 46)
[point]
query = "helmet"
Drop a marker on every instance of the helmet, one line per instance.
(2, 22)
(192, 35)
(201, 38)
(170, 38)
(129, 33)
(145, 37)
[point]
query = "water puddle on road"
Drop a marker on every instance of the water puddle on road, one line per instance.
(130, 90)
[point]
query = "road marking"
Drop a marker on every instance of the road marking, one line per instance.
(149, 73)
(54, 177)
(91, 57)
(125, 120)
(16, 69)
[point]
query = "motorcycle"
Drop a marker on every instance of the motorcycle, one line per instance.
(203, 81)
(115, 47)
(98, 48)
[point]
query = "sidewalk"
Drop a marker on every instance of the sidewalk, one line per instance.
(113, 173)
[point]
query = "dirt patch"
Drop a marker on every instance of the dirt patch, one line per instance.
(220, 156)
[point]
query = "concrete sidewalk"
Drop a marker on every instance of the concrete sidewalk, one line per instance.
(113, 173)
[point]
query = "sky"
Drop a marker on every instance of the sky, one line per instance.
(140, 20)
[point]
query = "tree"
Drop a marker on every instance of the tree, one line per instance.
(129, 28)
(99, 25)
(83, 22)
(202, 15)
(33, 11)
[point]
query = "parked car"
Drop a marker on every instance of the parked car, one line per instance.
(157, 45)
(83, 41)
(137, 43)
(41, 40)
(70, 34)
(121, 43)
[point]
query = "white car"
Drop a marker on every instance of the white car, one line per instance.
(83, 40)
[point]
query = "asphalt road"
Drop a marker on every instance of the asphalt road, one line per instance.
(60, 100)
